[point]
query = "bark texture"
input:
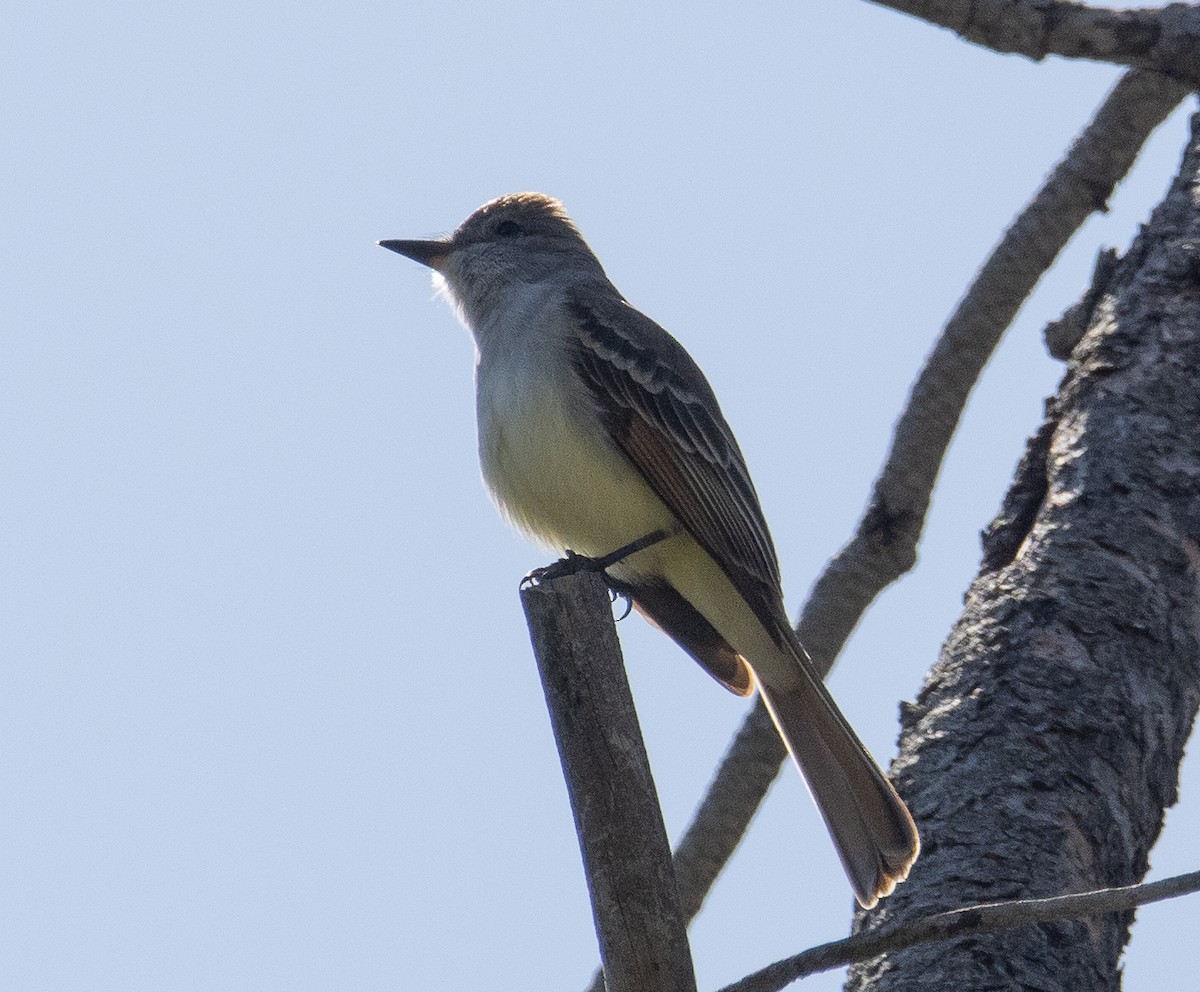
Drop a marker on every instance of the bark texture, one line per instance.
(626, 857)
(1163, 39)
(1044, 747)
(884, 545)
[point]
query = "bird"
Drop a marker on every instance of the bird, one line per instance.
(596, 430)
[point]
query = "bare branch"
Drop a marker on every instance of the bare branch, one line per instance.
(642, 933)
(987, 918)
(885, 545)
(1165, 40)
(1044, 748)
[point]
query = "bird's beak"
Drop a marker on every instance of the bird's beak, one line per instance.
(431, 253)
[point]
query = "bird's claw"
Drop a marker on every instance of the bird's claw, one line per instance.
(570, 564)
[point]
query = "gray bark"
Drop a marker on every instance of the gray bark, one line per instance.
(1164, 39)
(885, 543)
(631, 880)
(1044, 746)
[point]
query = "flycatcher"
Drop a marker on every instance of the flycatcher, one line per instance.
(596, 429)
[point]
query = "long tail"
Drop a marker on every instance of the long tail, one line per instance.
(871, 827)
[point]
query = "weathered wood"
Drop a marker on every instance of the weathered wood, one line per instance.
(1045, 744)
(884, 545)
(627, 860)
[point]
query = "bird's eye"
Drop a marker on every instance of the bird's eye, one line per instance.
(509, 229)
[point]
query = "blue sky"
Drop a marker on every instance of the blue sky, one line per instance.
(269, 718)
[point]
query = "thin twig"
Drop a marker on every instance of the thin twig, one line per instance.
(1164, 39)
(987, 918)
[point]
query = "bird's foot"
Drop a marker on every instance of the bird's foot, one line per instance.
(569, 564)
(621, 594)
(572, 563)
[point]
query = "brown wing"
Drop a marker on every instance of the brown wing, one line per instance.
(661, 412)
(661, 605)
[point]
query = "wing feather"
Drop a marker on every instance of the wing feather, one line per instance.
(661, 412)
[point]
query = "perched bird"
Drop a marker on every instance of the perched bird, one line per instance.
(596, 429)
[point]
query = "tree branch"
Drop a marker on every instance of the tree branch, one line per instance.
(642, 933)
(1045, 744)
(986, 918)
(1164, 40)
(884, 546)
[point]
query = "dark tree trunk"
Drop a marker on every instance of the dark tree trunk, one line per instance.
(1045, 744)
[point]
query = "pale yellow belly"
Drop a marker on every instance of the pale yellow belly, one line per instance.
(563, 484)
(568, 488)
